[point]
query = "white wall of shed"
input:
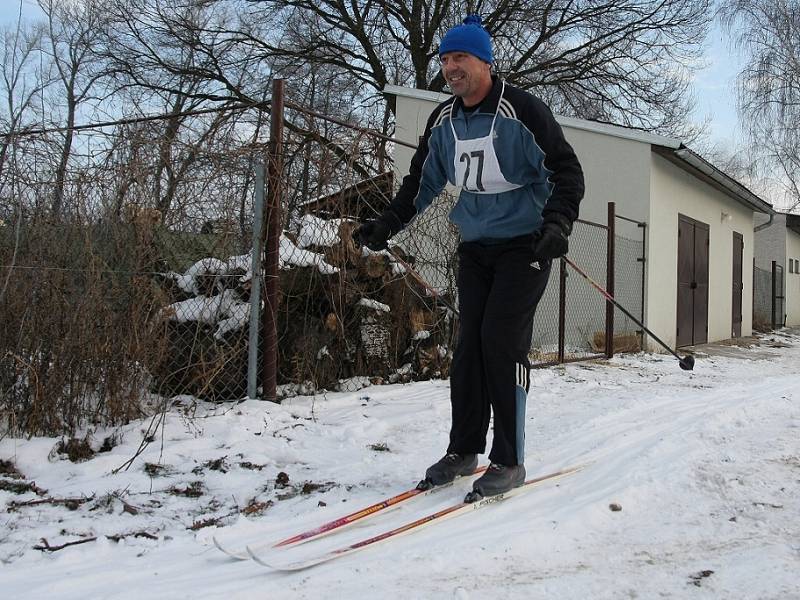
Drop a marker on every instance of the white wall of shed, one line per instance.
(792, 279)
(674, 192)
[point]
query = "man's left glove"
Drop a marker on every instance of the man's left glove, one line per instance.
(373, 234)
(551, 240)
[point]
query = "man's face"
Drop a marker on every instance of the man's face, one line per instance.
(467, 75)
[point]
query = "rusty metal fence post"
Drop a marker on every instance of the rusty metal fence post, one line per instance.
(643, 260)
(272, 246)
(610, 279)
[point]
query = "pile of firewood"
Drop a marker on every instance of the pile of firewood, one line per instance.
(343, 313)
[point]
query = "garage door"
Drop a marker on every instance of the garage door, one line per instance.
(692, 282)
(738, 251)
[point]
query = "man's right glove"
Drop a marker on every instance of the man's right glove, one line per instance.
(373, 234)
(551, 240)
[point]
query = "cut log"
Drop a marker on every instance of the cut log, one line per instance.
(365, 319)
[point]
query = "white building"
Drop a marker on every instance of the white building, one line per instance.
(778, 239)
(699, 241)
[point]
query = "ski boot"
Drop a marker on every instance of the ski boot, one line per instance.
(498, 479)
(450, 466)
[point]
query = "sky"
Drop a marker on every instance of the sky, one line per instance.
(713, 84)
(714, 88)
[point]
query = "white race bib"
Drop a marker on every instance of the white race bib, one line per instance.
(476, 166)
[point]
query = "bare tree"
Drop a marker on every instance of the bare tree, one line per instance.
(204, 53)
(767, 32)
(620, 60)
(23, 79)
(21, 85)
(162, 62)
(72, 29)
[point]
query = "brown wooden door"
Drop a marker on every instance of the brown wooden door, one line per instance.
(692, 313)
(737, 286)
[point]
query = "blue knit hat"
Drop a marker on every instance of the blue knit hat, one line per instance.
(470, 37)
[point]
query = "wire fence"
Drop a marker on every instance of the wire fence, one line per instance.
(140, 285)
(99, 309)
(769, 302)
(584, 309)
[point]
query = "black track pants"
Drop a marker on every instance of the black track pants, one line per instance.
(498, 291)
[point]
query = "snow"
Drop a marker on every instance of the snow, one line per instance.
(313, 231)
(291, 255)
(187, 281)
(704, 465)
(318, 232)
(209, 309)
(374, 305)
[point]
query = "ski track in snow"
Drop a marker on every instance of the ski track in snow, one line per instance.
(705, 466)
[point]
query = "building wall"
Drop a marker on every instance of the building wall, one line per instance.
(792, 279)
(644, 187)
(615, 170)
(673, 192)
(770, 242)
(411, 118)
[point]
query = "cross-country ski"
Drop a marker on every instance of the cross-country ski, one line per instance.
(454, 510)
(337, 525)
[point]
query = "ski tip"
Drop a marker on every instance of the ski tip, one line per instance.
(294, 566)
(425, 485)
(256, 557)
(472, 497)
(224, 550)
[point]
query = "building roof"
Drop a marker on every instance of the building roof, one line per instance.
(698, 166)
(793, 222)
(629, 133)
(670, 148)
(363, 199)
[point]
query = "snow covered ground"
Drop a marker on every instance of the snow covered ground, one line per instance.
(704, 465)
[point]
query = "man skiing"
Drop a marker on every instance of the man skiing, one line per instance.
(521, 185)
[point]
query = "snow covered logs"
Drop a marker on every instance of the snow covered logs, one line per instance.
(343, 313)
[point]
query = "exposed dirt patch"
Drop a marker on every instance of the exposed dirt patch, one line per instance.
(251, 466)
(75, 449)
(9, 469)
(218, 464)
(193, 490)
(20, 487)
(155, 470)
(256, 508)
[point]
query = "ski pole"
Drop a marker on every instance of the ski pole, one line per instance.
(686, 363)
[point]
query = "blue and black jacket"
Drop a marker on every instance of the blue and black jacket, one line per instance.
(531, 151)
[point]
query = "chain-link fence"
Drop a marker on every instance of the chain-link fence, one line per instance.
(141, 283)
(570, 323)
(115, 275)
(769, 308)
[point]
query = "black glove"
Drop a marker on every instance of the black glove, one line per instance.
(373, 234)
(551, 240)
